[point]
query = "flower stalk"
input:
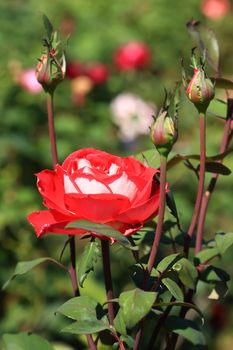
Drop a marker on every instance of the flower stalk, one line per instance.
(201, 183)
(208, 193)
(107, 278)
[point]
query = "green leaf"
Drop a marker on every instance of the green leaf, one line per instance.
(119, 323)
(221, 83)
(48, 27)
(149, 158)
(135, 304)
(206, 255)
(187, 273)
(185, 328)
(224, 241)
(214, 167)
(128, 340)
(213, 274)
(88, 314)
(25, 341)
(205, 39)
(25, 266)
(180, 158)
(181, 303)
(170, 201)
(168, 262)
(173, 288)
(89, 257)
(102, 230)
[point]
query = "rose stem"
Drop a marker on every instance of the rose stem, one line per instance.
(212, 184)
(107, 278)
(52, 135)
(200, 184)
(53, 144)
(158, 233)
(159, 227)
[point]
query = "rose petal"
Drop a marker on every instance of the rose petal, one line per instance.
(141, 213)
(124, 186)
(51, 186)
(45, 221)
(99, 208)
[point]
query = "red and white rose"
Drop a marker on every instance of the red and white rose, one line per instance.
(99, 187)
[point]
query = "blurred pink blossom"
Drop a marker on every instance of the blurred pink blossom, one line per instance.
(132, 115)
(27, 80)
(132, 55)
(215, 9)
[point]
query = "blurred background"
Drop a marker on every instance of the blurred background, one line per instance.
(120, 57)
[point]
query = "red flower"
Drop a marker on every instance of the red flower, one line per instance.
(98, 73)
(132, 55)
(215, 9)
(75, 69)
(98, 187)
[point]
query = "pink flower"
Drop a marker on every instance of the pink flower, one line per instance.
(27, 80)
(215, 9)
(133, 55)
(132, 115)
(99, 187)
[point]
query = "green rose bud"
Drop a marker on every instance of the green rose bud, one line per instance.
(200, 90)
(163, 133)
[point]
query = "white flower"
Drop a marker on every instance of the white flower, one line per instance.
(132, 115)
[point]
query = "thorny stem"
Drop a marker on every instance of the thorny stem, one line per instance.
(200, 184)
(53, 144)
(207, 194)
(158, 233)
(107, 278)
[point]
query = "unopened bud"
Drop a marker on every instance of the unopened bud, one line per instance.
(200, 90)
(50, 70)
(163, 133)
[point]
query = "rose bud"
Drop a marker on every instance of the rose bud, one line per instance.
(51, 68)
(50, 71)
(133, 55)
(163, 133)
(200, 90)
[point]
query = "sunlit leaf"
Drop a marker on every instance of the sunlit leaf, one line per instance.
(87, 312)
(135, 304)
(173, 288)
(167, 262)
(187, 273)
(206, 255)
(224, 241)
(149, 158)
(119, 323)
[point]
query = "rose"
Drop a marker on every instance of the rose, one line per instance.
(132, 55)
(215, 9)
(99, 187)
(98, 73)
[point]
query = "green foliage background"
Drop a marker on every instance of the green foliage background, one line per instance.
(29, 302)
